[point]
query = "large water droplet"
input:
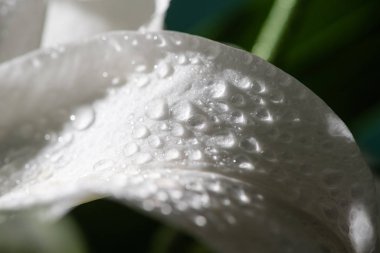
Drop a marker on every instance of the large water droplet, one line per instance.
(157, 109)
(83, 118)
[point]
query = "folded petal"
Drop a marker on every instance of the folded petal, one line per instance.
(21, 25)
(204, 136)
(73, 20)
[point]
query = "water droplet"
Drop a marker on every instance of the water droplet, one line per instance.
(182, 111)
(198, 122)
(83, 118)
(140, 132)
(262, 114)
(238, 117)
(251, 145)
(246, 166)
(178, 130)
(223, 140)
(155, 141)
(104, 165)
(182, 59)
(276, 96)
(130, 149)
(164, 70)
(141, 80)
(219, 107)
(159, 41)
(143, 158)
(200, 221)
(173, 154)
(218, 90)
(238, 100)
(243, 197)
(244, 84)
(195, 155)
(157, 110)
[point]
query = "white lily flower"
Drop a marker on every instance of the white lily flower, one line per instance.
(203, 136)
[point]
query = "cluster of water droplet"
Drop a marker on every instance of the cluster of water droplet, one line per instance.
(181, 109)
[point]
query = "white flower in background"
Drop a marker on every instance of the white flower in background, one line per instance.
(203, 136)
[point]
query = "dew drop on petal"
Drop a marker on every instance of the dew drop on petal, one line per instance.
(197, 122)
(164, 70)
(223, 140)
(143, 158)
(218, 90)
(157, 110)
(155, 141)
(195, 155)
(251, 145)
(173, 154)
(104, 165)
(140, 132)
(130, 149)
(83, 118)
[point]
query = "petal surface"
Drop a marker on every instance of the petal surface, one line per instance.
(204, 136)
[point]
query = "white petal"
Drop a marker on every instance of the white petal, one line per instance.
(21, 24)
(73, 20)
(202, 135)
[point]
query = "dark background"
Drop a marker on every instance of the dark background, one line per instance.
(333, 47)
